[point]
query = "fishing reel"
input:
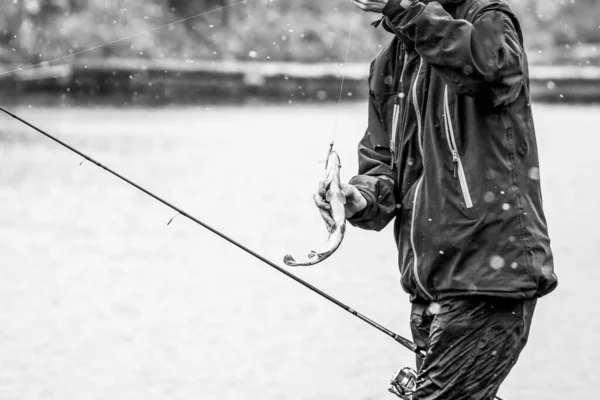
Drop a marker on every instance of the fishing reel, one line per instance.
(404, 383)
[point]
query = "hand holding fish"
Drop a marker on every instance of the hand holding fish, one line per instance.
(375, 6)
(336, 202)
(355, 201)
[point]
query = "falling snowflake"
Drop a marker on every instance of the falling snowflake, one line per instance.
(497, 262)
(434, 308)
(534, 173)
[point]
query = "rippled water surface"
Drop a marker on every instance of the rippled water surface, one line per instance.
(100, 299)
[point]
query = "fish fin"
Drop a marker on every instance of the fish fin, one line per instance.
(289, 261)
(332, 228)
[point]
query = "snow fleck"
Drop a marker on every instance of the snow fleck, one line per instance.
(534, 173)
(506, 206)
(434, 308)
(489, 197)
(252, 54)
(497, 262)
(551, 85)
(514, 265)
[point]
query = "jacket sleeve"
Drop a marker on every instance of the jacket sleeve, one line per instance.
(485, 57)
(375, 179)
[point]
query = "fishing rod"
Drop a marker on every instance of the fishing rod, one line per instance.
(404, 381)
(398, 338)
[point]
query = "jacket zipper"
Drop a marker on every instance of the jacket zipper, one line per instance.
(457, 167)
(398, 106)
(398, 109)
(416, 105)
(418, 188)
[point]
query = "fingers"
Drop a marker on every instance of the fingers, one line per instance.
(322, 189)
(360, 4)
(327, 218)
(369, 5)
(324, 209)
(321, 203)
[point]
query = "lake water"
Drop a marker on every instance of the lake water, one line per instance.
(100, 299)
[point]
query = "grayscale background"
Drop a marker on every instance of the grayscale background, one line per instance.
(228, 113)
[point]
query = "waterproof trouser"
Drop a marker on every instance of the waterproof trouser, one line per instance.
(471, 344)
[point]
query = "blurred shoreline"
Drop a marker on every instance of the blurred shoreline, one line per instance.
(163, 82)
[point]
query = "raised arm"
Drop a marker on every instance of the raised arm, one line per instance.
(483, 57)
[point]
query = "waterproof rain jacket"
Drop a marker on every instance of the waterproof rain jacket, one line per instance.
(450, 152)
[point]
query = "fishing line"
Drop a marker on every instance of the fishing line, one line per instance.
(398, 338)
(337, 116)
(121, 39)
(403, 341)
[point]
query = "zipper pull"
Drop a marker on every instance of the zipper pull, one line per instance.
(454, 162)
(393, 134)
(395, 125)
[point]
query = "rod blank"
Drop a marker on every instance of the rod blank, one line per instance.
(403, 341)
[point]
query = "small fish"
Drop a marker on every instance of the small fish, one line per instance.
(337, 212)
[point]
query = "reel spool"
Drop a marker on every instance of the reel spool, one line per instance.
(404, 383)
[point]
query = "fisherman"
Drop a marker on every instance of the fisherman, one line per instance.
(450, 152)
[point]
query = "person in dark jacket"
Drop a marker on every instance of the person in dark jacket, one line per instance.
(450, 153)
